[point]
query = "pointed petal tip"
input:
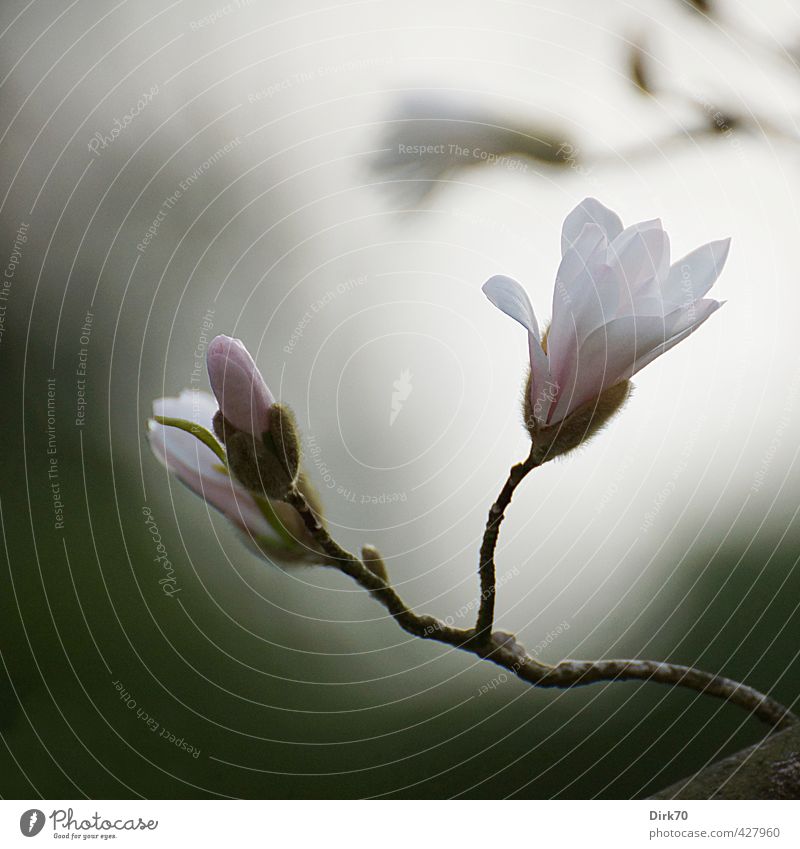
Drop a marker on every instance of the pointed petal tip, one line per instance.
(720, 248)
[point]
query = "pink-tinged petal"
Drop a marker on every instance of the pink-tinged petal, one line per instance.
(619, 349)
(684, 325)
(589, 211)
(196, 465)
(588, 252)
(241, 392)
(588, 303)
(604, 358)
(509, 297)
(575, 322)
(691, 277)
(585, 295)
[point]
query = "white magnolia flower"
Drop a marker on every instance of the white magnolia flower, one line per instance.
(618, 304)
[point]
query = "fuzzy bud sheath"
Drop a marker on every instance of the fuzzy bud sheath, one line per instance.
(374, 562)
(268, 465)
(284, 440)
(578, 427)
(270, 468)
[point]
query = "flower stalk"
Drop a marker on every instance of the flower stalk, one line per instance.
(486, 567)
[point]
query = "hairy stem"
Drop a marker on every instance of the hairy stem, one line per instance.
(486, 567)
(504, 650)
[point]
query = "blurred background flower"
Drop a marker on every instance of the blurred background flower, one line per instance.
(174, 172)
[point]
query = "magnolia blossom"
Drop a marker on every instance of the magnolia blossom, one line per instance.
(617, 305)
(243, 396)
(198, 466)
(180, 436)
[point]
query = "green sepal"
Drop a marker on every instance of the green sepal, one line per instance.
(204, 435)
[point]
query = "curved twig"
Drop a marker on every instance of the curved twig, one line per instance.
(483, 625)
(504, 650)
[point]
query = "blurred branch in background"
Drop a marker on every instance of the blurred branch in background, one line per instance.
(434, 134)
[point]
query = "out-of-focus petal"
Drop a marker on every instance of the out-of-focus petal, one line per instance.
(509, 297)
(589, 211)
(193, 406)
(198, 467)
(241, 392)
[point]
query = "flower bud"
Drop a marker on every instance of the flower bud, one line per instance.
(374, 562)
(190, 452)
(268, 466)
(550, 441)
(240, 390)
(256, 467)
